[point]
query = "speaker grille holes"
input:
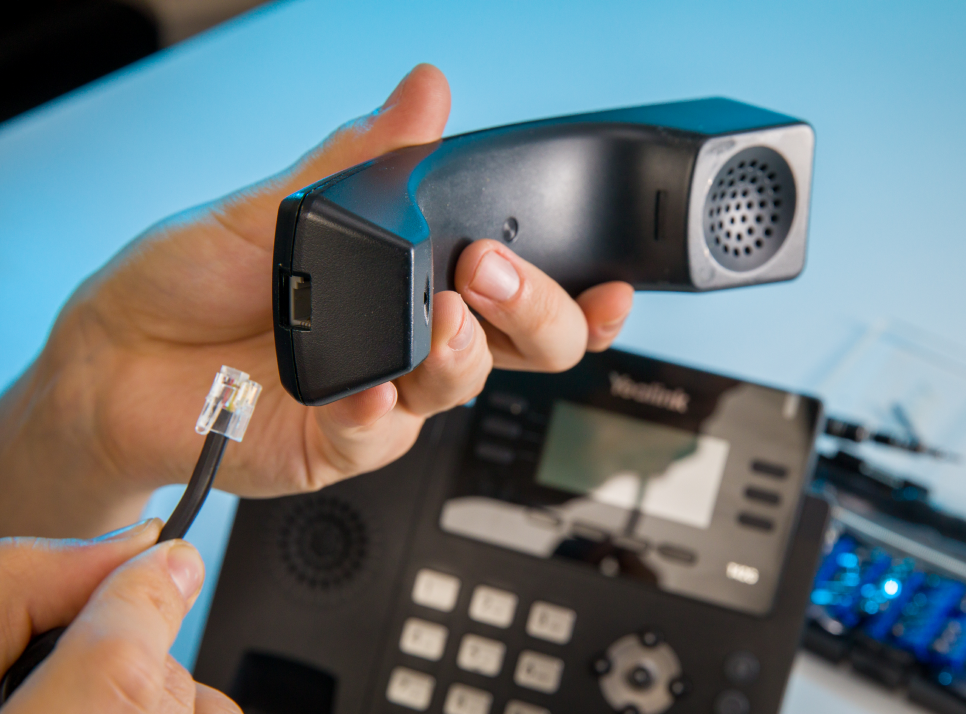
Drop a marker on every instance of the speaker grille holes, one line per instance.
(324, 547)
(758, 172)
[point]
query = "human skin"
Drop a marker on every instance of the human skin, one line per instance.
(125, 598)
(105, 413)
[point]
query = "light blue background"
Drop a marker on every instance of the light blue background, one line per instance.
(881, 82)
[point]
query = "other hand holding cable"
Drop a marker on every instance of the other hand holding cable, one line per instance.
(126, 600)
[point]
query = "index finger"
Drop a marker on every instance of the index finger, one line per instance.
(114, 654)
(532, 323)
(46, 582)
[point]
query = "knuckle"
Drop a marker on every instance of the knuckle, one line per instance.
(132, 681)
(544, 308)
(559, 362)
(158, 591)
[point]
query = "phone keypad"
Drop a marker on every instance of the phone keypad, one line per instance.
(410, 689)
(551, 623)
(538, 671)
(423, 639)
(493, 607)
(481, 655)
(436, 590)
(461, 699)
(515, 707)
(477, 654)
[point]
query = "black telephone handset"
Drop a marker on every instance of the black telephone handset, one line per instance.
(694, 196)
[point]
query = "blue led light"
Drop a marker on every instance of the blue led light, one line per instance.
(868, 590)
(945, 678)
(871, 607)
(891, 587)
(848, 560)
(821, 597)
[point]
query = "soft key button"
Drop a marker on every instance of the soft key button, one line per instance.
(436, 590)
(538, 671)
(482, 655)
(515, 707)
(467, 700)
(551, 622)
(410, 689)
(423, 639)
(493, 607)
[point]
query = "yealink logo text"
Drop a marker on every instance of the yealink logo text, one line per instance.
(655, 393)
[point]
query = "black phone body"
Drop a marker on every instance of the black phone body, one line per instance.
(627, 534)
(698, 195)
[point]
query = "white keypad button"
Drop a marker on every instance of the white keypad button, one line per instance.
(410, 689)
(551, 622)
(423, 639)
(436, 590)
(461, 699)
(493, 607)
(482, 655)
(515, 707)
(538, 671)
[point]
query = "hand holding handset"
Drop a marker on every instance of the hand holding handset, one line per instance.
(694, 196)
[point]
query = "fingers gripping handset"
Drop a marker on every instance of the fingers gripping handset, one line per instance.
(164, 582)
(693, 196)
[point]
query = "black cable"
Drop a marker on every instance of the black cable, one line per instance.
(849, 431)
(198, 488)
(180, 520)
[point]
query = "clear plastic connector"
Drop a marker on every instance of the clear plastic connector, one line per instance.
(229, 405)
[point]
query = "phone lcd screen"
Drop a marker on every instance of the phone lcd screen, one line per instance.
(633, 464)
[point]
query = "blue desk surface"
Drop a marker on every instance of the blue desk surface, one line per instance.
(881, 82)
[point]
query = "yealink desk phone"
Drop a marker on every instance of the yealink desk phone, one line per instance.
(627, 536)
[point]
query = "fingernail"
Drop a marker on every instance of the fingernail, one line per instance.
(611, 327)
(186, 568)
(130, 531)
(495, 278)
(461, 340)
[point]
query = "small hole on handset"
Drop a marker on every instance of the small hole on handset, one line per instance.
(510, 229)
(426, 301)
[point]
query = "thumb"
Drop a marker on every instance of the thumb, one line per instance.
(114, 656)
(46, 582)
(415, 113)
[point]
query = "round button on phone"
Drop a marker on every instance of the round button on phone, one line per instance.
(600, 665)
(732, 702)
(680, 687)
(638, 677)
(742, 667)
(651, 637)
